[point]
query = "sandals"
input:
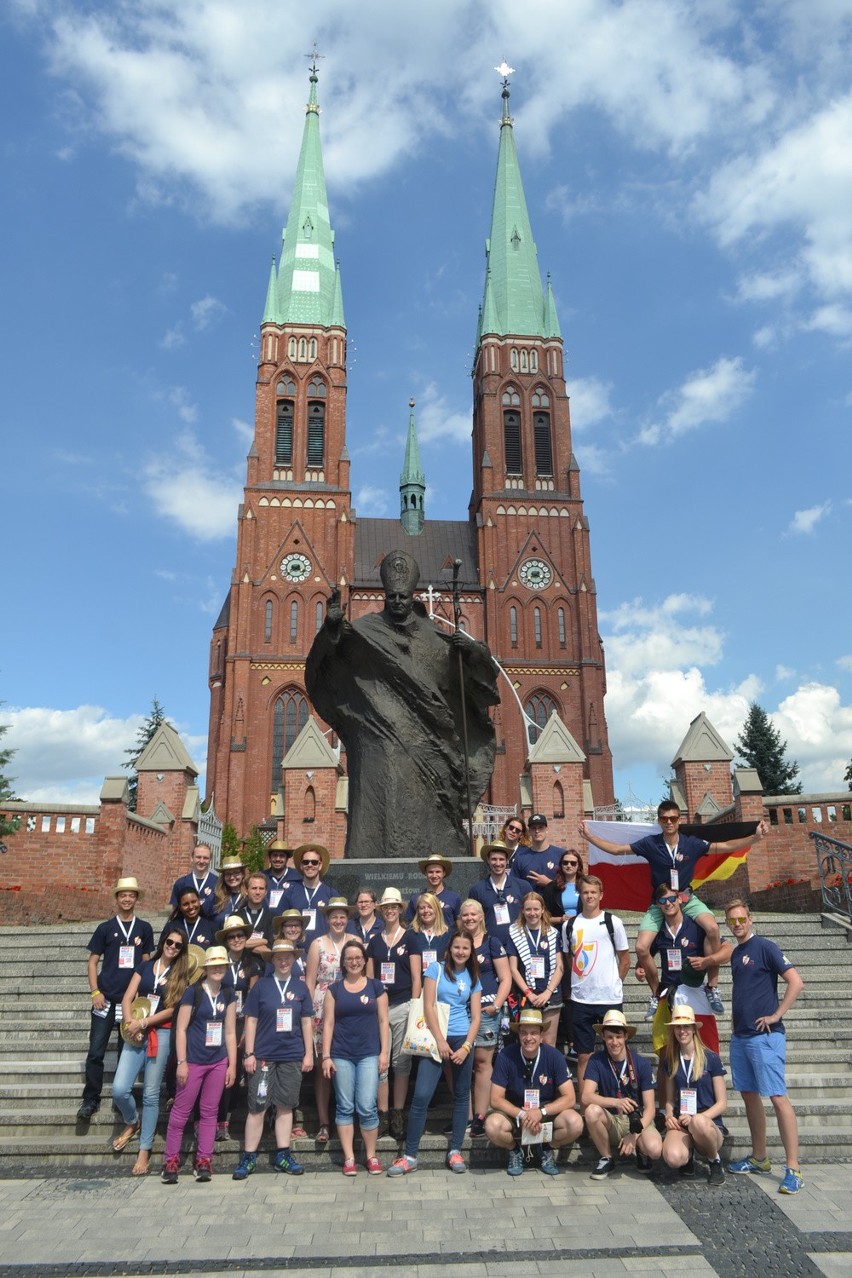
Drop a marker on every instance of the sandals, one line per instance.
(322, 1135)
(124, 1138)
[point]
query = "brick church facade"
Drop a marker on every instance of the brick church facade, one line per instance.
(526, 578)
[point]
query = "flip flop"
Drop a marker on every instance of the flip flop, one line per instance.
(123, 1140)
(322, 1135)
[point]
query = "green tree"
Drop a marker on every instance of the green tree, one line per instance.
(143, 736)
(230, 841)
(254, 850)
(760, 744)
(7, 790)
(847, 775)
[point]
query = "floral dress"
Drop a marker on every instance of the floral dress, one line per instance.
(328, 971)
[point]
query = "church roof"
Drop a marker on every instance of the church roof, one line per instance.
(165, 752)
(440, 542)
(514, 301)
(702, 744)
(306, 288)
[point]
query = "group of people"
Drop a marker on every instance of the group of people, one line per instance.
(258, 980)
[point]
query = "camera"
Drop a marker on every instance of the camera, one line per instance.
(635, 1122)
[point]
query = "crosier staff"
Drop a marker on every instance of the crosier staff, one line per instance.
(457, 563)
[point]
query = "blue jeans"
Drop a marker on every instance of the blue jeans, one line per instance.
(428, 1076)
(100, 1029)
(356, 1085)
(132, 1060)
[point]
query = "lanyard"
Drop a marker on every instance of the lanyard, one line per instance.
(160, 977)
(190, 935)
(212, 998)
(530, 1067)
(126, 931)
(282, 992)
(200, 886)
(236, 971)
(672, 851)
(309, 896)
(257, 915)
(499, 890)
(393, 940)
(687, 1073)
(533, 943)
(619, 1077)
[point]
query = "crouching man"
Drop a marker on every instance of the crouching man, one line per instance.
(530, 1089)
(618, 1100)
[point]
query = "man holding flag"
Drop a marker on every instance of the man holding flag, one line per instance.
(672, 857)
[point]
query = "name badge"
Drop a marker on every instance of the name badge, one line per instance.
(127, 956)
(283, 1020)
(501, 913)
(689, 1101)
(429, 956)
(674, 958)
(388, 974)
(258, 934)
(531, 1095)
(239, 1001)
(536, 968)
(275, 897)
(674, 879)
(154, 1000)
(310, 917)
(213, 1036)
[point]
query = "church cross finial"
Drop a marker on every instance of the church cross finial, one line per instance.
(314, 56)
(505, 71)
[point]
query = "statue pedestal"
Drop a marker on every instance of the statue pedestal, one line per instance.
(348, 876)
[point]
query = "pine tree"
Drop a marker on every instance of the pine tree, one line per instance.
(230, 841)
(847, 775)
(254, 850)
(7, 790)
(143, 736)
(760, 744)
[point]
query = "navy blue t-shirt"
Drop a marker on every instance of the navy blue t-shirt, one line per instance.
(449, 901)
(150, 985)
(201, 932)
(689, 943)
(356, 1021)
(703, 1086)
(541, 950)
(203, 884)
(431, 951)
(353, 928)
(297, 897)
(120, 946)
(278, 1036)
(238, 978)
(755, 968)
(206, 1014)
(655, 851)
(510, 896)
(398, 989)
(516, 1076)
(613, 1080)
(544, 862)
(490, 949)
(276, 890)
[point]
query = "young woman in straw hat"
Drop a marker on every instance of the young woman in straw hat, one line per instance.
(695, 1097)
(322, 969)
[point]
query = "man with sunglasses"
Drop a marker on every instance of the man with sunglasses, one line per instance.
(672, 857)
(310, 891)
(679, 947)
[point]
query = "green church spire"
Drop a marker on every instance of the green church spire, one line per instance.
(514, 301)
(307, 288)
(412, 482)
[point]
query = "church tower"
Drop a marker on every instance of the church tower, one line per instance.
(532, 535)
(294, 534)
(412, 482)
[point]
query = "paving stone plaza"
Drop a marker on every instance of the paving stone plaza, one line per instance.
(433, 1223)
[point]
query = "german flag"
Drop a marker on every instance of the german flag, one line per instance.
(715, 867)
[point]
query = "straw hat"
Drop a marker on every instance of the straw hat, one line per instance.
(435, 858)
(530, 1017)
(195, 957)
(286, 947)
(683, 1014)
(336, 903)
(391, 896)
(288, 916)
(279, 845)
(139, 1009)
(231, 863)
(216, 956)
(497, 846)
(311, 847)
(613, 1019)
(127, 885)
(233, 923)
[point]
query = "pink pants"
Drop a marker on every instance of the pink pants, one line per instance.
(205, 1083)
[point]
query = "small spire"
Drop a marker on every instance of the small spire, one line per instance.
(270, 310)
(313, 104)
(551, 319)
(412, 482)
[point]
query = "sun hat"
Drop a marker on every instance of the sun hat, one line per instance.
(233, 923)
(496, 846)
(683, 1014)
(529, 1017)
(311, 847)
(286, 947)
(127, 885)
(216, 956)
(613, 1019)
(231, 863)
(335, 903)
(391, 896)
(435, 858)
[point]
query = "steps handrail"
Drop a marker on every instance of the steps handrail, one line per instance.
(834, 862)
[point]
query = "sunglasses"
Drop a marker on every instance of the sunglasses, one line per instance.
(174, 945)
(309, 863)
(668, 820)
(666, 900)
(570, 864)
(738, 918)
(514, 829)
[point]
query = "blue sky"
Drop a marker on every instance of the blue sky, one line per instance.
(688, 168)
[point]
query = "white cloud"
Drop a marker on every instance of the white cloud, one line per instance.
(206, 311)
(186, 410)
(436, 420)
(782, 673)
(172, 339)
(845, 662)
(805, 521)
(646, 636)
(184, 488)
(833, 319)
(590, 402)
(244, 430)
(818, 730)
(370, 501)
(708, 395)
(62, 756)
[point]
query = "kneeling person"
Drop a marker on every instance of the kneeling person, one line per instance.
(618, 1100)
(279, 1049)
(530, 1085)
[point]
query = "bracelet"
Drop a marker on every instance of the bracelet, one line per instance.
(183, 1062)
(96, 994)
(326, 1058)
(248, 1056)
(466, 1045)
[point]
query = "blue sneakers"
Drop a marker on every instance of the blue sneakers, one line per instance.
(244, 1167)
(792, 1182)
(285, 1162)
(744, 1166)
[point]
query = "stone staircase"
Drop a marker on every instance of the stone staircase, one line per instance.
(44, 1037)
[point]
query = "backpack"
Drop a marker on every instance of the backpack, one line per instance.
(567, 933)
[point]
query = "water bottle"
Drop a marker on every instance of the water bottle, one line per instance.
(263, 1085)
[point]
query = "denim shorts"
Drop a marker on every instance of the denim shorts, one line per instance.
(757, 1063)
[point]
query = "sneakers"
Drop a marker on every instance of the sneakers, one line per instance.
(456, 1163)
(244, 1167)
(477, 1127)
(349, 1168)
(548, 1163)
(603, 1169)
(402, 1166)
(171, 1167)
(374, 1167)
(644, 1163)
(396, 1124)
(714, 998)
(285, 1162)
(516, 1162)
(203, 1170)
(87, 1109)
(222, 1132)
(651, 1010)
(751, 1164)
(717, 1173)
(792, 1182)
(687, 1171)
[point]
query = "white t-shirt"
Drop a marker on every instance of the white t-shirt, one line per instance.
(594, 967)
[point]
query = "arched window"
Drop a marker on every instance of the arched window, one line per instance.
(319, 617)
(513, 627)
(292, 348)
(512, 431)
(560, 622)
(289, 716)
(513, 358)
(316, 423)
(537, 626)
(312, 348)
(294, 621)
(267, 622)
(540, 707)
(286, 393)
(558, 800)
(541, 432)
(525, 361)
(303, 349)
(310, 805)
